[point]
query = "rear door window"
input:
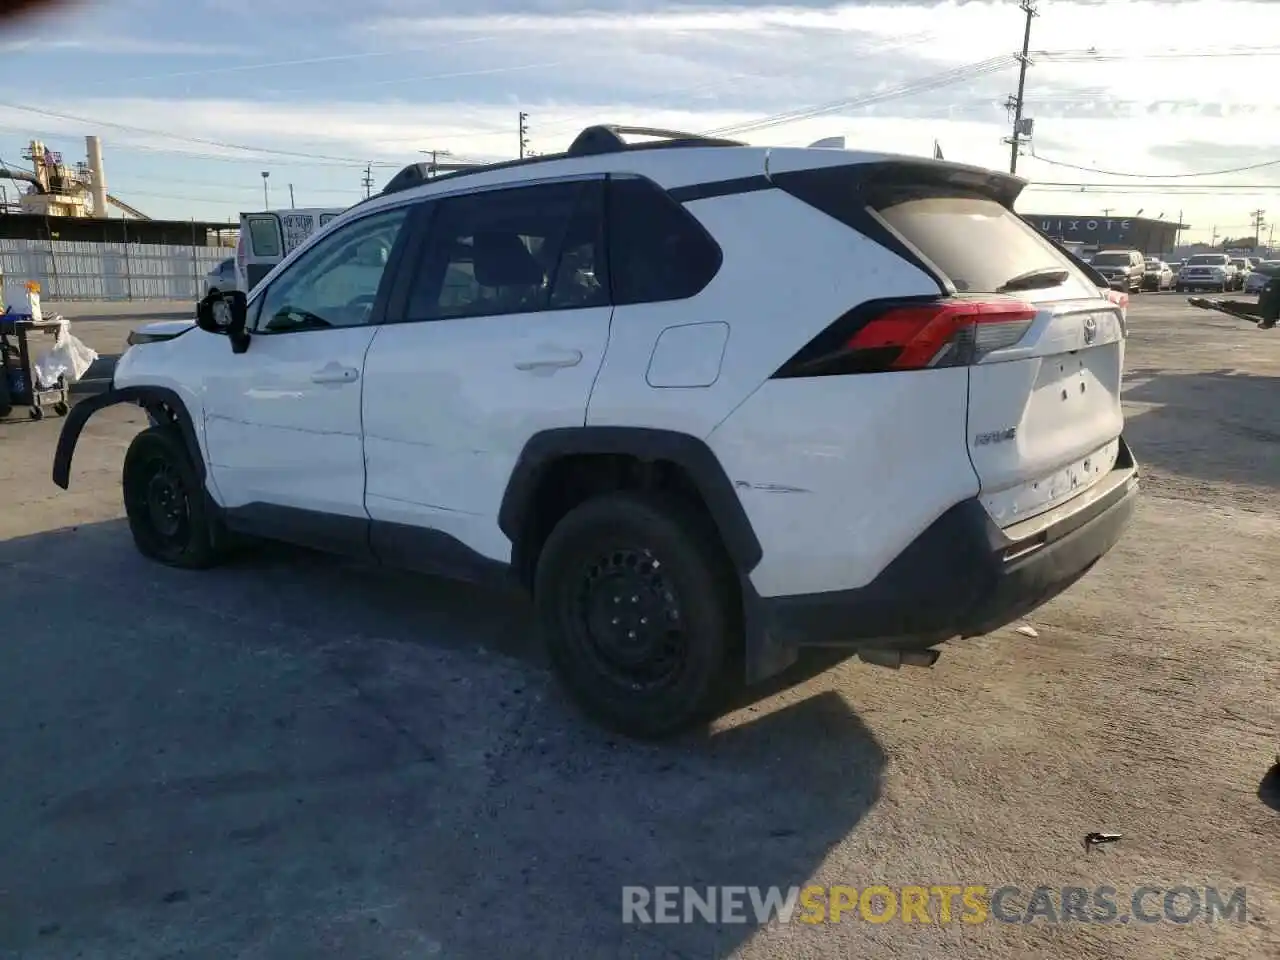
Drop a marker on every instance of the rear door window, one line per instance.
(511, 251)
(980, 245)
(264, 235)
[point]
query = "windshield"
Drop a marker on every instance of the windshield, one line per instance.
(1242, 264)
(1111, 260)
(1208, 260)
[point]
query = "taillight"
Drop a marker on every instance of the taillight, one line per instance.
(919, 335)
(1121, 300)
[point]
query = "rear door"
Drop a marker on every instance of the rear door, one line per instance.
(496, 330)
(1044, 416)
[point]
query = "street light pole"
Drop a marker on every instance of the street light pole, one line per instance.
(266, 198)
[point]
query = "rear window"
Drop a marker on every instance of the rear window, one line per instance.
(1111, 260)
(978, 244)
(264, 237)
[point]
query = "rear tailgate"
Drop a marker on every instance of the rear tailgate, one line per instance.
(1044, 416)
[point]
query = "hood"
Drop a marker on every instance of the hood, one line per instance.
(160, 330)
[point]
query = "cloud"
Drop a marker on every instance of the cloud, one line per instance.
(124, 46)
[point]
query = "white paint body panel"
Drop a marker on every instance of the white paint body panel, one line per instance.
(688, 355)
(1059, 392)
(785, 278)
(277, 436)
(449, 405)
(839, 474)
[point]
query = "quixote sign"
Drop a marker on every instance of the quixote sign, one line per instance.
(1086, 229)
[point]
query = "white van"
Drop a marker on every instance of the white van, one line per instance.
(267, 237)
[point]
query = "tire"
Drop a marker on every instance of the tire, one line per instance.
(616, 543)
(36, 413)
(61, 408)
(165, 502)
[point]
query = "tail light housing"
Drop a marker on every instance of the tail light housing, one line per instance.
(912, 335)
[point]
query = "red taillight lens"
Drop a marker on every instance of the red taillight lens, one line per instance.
(1121, 300)
(918, 335)
(935, 334)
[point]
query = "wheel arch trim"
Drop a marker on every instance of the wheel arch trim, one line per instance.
(150, 397)
(646, 444)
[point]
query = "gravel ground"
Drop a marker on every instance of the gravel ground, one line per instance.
(298, 757)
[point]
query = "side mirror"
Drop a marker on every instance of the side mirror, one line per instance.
(225, 313)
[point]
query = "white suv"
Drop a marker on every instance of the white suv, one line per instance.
(709, 402)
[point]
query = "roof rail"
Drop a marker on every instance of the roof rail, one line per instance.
(607, 138)
(600, 139)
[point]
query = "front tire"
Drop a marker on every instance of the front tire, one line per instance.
(165, 502)
(639, 607)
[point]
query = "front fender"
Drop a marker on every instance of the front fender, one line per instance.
(162, 404)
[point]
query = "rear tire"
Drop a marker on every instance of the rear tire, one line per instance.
(165, 502)
(639, 607)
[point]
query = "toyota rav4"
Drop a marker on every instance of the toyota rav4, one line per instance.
(708, 402)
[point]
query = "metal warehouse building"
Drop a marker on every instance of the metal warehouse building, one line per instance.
(1137, 233)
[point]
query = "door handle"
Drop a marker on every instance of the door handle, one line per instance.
(570, 359)
(336, 374)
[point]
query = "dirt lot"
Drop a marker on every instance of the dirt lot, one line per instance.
(297, 757)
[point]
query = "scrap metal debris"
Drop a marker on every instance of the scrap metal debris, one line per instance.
(1092, 840)
(1027, 631)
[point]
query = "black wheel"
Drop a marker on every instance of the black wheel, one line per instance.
(36, 413)
(640, 611)
(165, 502)
(61, 408)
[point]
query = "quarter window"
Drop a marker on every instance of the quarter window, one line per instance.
(335, 283)
(518, 250)
(657, 250)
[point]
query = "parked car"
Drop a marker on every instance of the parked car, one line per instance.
(1124, 269)
(220, 279)
(602, 406)
(1243, 267)
(1207, 271)
(1259, 275)
(1157, 276)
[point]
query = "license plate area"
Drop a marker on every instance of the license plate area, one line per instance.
(1036, 496)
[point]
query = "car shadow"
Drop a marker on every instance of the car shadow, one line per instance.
(295, 749)
(1220, 425)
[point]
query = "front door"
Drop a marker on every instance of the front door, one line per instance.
(498, 333)
(282, 419)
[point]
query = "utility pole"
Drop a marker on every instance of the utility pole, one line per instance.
(1106, 211)
(266, 198)
(1015, 103)
(292, 205)
(1258, 224)
(524, 133)
(367, 181)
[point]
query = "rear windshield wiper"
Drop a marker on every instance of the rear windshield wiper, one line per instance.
(1034, 280)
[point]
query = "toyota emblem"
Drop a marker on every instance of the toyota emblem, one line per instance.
(1090, 330)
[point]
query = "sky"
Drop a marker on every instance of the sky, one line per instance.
(1138, 106)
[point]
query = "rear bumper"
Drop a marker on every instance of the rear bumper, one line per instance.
(964, 576)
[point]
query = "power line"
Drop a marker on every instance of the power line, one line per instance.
(145, 131)
(1159, 176)
(956, 75)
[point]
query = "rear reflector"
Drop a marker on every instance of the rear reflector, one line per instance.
(913, 336)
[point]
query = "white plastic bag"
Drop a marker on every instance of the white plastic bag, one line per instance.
(69, 357)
